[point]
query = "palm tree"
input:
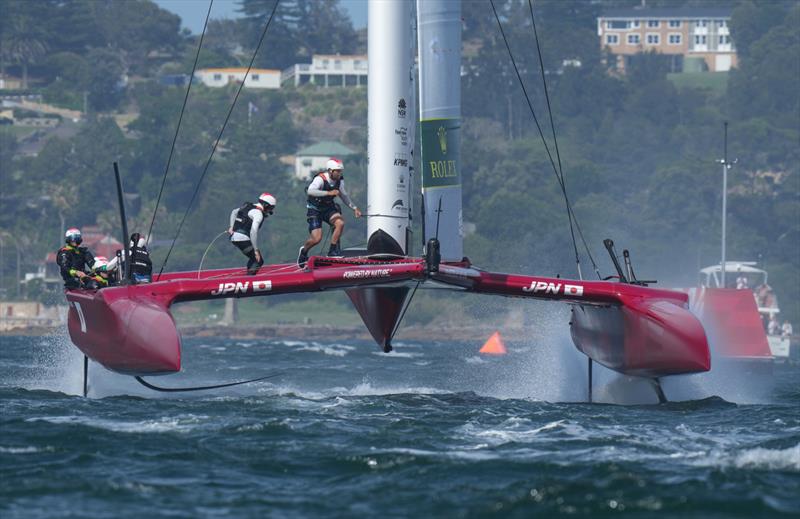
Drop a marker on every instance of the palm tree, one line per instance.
(22, 44)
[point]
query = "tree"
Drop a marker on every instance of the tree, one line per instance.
(105, 79)
(22, 43)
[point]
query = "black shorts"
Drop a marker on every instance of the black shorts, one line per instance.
(316, 216)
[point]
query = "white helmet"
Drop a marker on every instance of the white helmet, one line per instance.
(267, 199)
(99, 263)
(73, 234)
(334, 164)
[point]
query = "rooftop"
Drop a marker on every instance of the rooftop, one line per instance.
(326, 149)
(239, 70)
(669, 12)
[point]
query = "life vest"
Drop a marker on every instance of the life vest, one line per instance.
(71, 259)
(140, 261)
(243, 223)
(327, 185)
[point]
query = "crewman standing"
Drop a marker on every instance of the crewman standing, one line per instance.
(322, 207)
(245, 222)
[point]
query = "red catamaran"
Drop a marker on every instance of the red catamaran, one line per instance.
(622, 324)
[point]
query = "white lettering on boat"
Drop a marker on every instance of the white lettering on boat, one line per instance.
(365, 274)
(242, 287)
(543, 287)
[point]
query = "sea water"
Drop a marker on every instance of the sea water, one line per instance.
(431, 430)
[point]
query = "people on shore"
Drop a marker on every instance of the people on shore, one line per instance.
(73, 260)
(322, 207)
(245, 222)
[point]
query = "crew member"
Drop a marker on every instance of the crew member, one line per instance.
(101, 275)
(244, 225)
(322, 207)
(141, 264)
(74, 260)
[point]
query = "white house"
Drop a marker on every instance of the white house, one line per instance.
(258, 77)
(330, 70)
(311, 160)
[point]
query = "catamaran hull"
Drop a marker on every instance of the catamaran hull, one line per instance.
(648, 339)
(631, 329)
(129, 335)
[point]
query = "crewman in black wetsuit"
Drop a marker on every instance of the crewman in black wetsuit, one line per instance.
(141, 264)
(74, 260)
(322, 207)
(245, 223)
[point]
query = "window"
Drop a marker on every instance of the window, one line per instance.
(636, 24)
(612, 39)
(633, 39)
(325, 63)
(618, 24)
(217, 77)
(337, 64)
(307, 163)
(653, 23)
(674, 24)
(675, 39)
(724, 40)
(254, 77)
(699, 40)
(653, 39)
(722, 23)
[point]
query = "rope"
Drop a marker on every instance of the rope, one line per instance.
(180, 119)
(219, 136)
(570, 213)
(200, 267)
(148, 385)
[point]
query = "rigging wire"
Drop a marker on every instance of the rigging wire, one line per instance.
(200, 266)
(570, 212)
(205, 388)
(180, 119)
(219, 136)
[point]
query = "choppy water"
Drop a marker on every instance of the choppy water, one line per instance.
(431, 430)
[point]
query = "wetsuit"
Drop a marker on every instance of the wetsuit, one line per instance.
(72, 260)
(245, 222)
(321, 206)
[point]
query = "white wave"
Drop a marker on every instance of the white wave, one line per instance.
(773, 459)
(292, 344)
(336, 350)
(475, 360)
(184, 423)
(367, 389)
(24, 450)
(513, 430)
(398, 354)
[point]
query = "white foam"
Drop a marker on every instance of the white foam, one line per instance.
(183, 423)
(773, 459)
(398, 354)
(24, 450)
(336, 350)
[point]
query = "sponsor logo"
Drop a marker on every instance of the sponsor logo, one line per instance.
(542, 287)
(398, 204)
(402, 132)
(367, 274)
(243, 288)
(401, 162)
(401, 108)
(441, 133)
(443, 168)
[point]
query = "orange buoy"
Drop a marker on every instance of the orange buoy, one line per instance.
(494, 346)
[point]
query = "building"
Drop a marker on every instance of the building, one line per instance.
(312, 159)
(220, 77)
(329, 71)
(697, 38)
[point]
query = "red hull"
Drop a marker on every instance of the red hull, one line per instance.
(631, 329)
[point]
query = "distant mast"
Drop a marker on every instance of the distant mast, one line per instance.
(439, 44)
(391, 126)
